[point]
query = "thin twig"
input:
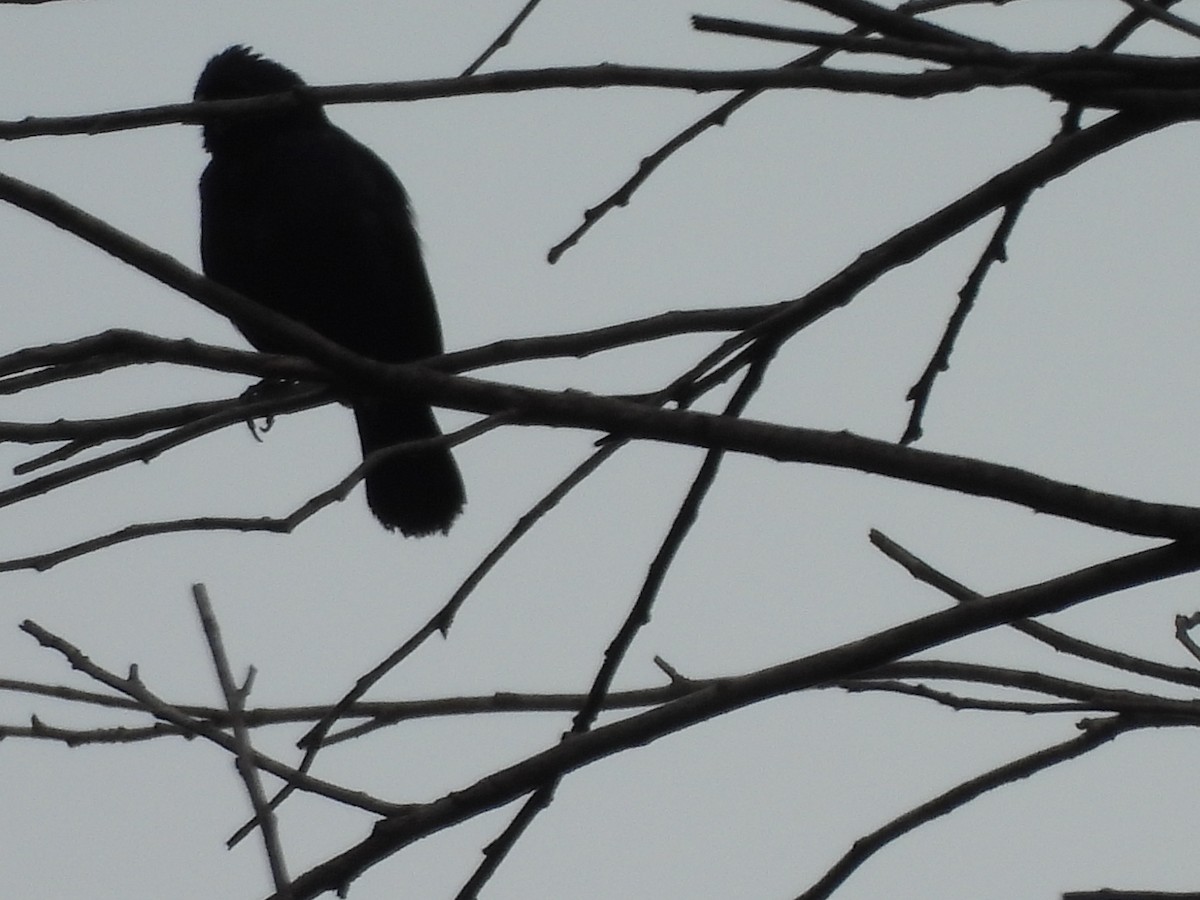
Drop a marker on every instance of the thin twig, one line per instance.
(857, 657)
(133, 687)
(235, 701)
(1136, 703)
(1052, 161)
(503, 38)
(82, 368)
(1094, 736)
(959, 703)
(1052, 637)
(717, 117)
(1019, 69)
(495, 852)
(78, 737)
(86, 435)
(897, 23)
(1183, 628)
(994, 252)
(855, 42)
(317, 736)
(380, 714)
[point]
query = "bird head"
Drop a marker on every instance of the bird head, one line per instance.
(239, 72)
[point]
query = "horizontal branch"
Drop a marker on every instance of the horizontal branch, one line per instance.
(90, 432)
(1095, 697)
(385, 713)
(1061, 74)
(839, 449)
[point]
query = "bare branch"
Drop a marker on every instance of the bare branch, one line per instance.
(495, 852)
(1158, 12)
(134, 688)
(885, 646)
(318, 736)
(1183, 628)
(576, 409)
(1057, 74)
(1053, 161)
(235, 702)
(286, 524)
(1094, 736)
(503, 38)
(994, 252)
(1052, 637)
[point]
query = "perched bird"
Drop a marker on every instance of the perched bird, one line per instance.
(301, 217)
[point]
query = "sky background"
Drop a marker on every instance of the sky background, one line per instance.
(1078, 364)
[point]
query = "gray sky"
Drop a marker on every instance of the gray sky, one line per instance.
(1078, 364)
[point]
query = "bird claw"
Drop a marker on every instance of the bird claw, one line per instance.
(260, 391)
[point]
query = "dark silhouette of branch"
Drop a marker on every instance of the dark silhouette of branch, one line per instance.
(994, 252)
(576, 409)
(283, 525)
(530, 406)
(387, 713)
(79, 737)
(235, 703)
(122, 427)
(121, 347)
(609, 337)
(85, 435)
(1102, 79)
(134, 688)
(1095, 735)
(318, 736)
(959, 703)
(503, 38)
(894, 23)
(856, 41)
(1096, 698)
(1056, 159)
(1051, 637)
(887, 645)
(604, 76)
(495, 852)
(1157, 11)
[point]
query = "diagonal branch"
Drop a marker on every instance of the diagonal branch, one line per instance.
(134, 688)
(1095, 734)
(614, 655)
(1051, 637)
(318, 736)
(503, 38)
(393, 834)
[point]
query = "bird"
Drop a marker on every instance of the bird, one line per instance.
(299, 216)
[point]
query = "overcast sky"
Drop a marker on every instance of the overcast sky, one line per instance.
(1078, 364)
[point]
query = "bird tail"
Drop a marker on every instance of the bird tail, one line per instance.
(418, 492)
